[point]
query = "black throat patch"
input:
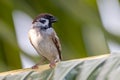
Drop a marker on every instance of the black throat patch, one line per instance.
(46, 27)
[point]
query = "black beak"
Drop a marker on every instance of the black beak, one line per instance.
(53, 19)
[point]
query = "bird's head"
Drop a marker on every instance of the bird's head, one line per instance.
(44, 20)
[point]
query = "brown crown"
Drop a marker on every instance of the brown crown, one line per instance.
(42, 15)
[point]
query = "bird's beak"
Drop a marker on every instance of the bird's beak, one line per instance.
(53, 19)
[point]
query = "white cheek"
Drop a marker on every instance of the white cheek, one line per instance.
(46, 23)
(41, 24)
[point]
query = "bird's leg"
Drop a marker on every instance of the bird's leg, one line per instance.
(35, 66)
(52, 64)
(42, 60)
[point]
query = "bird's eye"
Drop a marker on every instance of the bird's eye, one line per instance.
(42, 21)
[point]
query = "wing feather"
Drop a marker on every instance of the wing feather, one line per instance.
(57, 44)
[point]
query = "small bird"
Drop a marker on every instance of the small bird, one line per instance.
(44, 39)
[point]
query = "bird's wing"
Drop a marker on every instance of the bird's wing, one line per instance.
(57, 44)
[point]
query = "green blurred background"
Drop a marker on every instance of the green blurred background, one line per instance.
(79, 28)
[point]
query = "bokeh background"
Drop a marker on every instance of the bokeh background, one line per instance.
(85, 28)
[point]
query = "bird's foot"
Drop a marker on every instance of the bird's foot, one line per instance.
(35, 67)
(52, 65)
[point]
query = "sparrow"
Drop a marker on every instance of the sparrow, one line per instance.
(44, 39)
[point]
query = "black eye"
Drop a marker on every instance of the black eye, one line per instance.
(42, 21)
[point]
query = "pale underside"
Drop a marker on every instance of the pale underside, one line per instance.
(43, 43)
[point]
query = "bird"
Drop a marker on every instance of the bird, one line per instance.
(44, 39)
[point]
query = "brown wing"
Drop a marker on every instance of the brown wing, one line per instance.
(57, 44)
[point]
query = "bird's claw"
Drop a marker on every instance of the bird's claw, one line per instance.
(35, 67)
(52, 65)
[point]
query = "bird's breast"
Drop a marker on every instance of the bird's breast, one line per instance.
(42, 42)
(35, 37)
